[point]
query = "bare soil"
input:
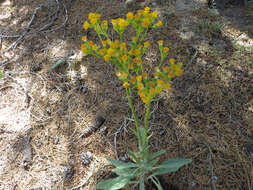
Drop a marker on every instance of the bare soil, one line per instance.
(45, 111)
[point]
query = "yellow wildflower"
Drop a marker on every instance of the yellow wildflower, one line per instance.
(92, 15)
(83, 48)
(166, 69)
(172, 60)
(146, 100)
(123, 46)
(84, 38)
(94, 47)
(157, 69)
(130, 15)
(132, 79)
(103, 51)
(136, 16)
(140, 86)
(145, 75)
(122, 23)
(160, 23)
(160, 82)
(124, 58)
(140, 12)
(180, 64)
(126, 84)
(153, 14)
(160, 42)
(150, 84)
(111, 51)
(147, 9)
(142, 95)
(93, 21)
(133, 39)
(179, 72)
(156, 74)
(86, 25)
(118, 74)
(145, 22)
(104, 23)
(151, 90)
(124, 75)
(146, 44)
(104, 42)
(130, 66)
(165, 49)
(114, 21)
(168, 86)
(107, 57)
(116, 43)
(90, 43)
(137, 52)
(139, 78)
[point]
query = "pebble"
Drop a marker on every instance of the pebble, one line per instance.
(68, 172)
(86, 158)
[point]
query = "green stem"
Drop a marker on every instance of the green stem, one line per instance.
(128, 91)
(147, 114)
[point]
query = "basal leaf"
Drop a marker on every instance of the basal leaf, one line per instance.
(154, 155)
(113, 184)
(121, 165)
(170, 165)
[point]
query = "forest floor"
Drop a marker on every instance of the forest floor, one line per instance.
(45, 109)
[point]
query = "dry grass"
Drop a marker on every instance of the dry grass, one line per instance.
(208, 116)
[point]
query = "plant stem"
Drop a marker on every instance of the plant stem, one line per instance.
(128, 91)
(147, 114)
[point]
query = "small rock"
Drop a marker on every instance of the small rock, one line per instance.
(125, 158)
(56, 140)
(83, 88)
(103, 131)
(162, 132)
(68, 172)
(86, 158)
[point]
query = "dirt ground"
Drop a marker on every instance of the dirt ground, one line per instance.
(50, 96)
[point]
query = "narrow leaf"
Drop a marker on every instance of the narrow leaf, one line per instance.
(60, 61)
(121, 165)
(152, 163)
(170, 165)
(124, 172)
(113, 184)
(159, 153)
(142, 185)
(134, 156)
(1, 74)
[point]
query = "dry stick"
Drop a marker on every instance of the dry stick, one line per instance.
(213, 177)
(13, 45)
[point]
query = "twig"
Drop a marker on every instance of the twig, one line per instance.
(214, 178)
(13, 45)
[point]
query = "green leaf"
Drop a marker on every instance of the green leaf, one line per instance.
(121, 165)
(113, 184)
(124, 172)
(159, 153)
(170, 165)
(1, 74)
(142, 185)
(152, 163)
(134, 156)
(157, 183)
(60, 61)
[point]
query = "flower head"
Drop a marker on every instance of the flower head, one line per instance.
(86, 25)
(130, 15)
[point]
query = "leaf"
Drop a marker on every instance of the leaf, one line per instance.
(1, 74)
(60, 61)
(134, 156)
(113, 184)
(170, 165)
(121, 165)
(152, 163)
(159, 153)
(157, 183)
(124, 172)
(142, 185)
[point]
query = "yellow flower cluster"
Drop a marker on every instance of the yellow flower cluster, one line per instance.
(128, 59)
